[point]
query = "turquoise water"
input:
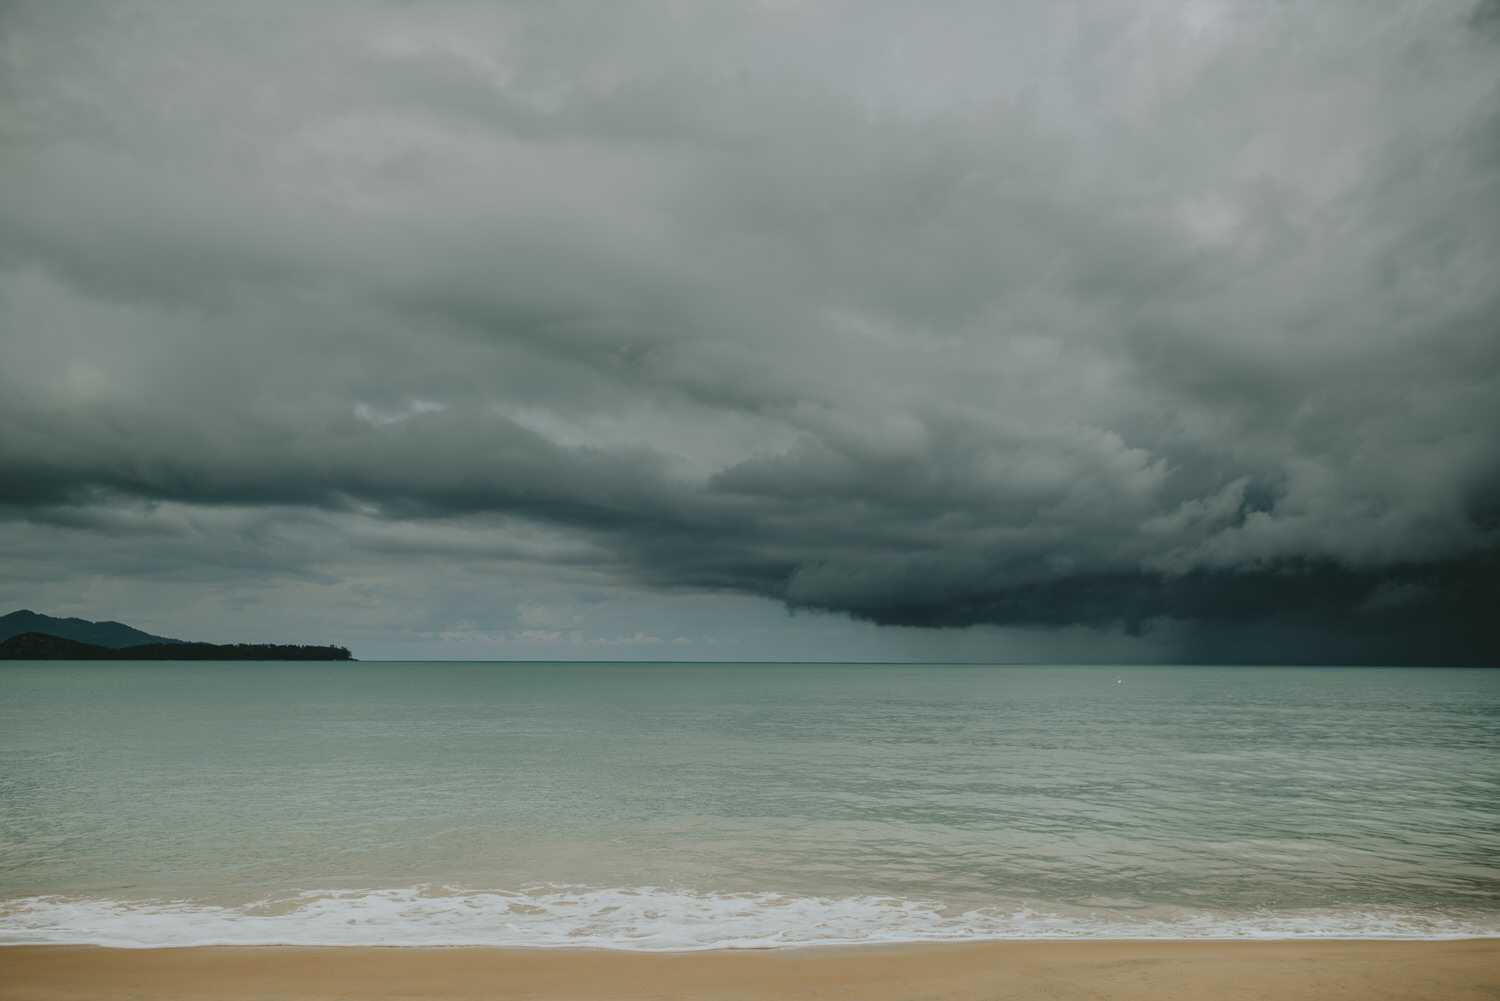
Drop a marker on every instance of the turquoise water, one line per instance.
(689, 806)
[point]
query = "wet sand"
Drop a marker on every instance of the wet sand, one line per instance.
(1123, 971)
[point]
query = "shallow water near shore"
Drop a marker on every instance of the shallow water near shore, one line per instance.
(682, 806)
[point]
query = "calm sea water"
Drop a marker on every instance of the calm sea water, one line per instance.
(668, 806)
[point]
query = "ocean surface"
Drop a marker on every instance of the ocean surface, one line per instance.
(687, 806)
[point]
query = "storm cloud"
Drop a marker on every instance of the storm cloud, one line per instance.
(1147, 319)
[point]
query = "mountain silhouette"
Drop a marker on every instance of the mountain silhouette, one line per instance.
(112, 635)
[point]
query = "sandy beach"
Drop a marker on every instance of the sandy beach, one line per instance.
(1124, 971)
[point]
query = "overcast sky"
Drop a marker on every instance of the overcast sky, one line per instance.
(1137, 329)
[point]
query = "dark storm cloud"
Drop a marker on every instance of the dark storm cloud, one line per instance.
(1052, 314)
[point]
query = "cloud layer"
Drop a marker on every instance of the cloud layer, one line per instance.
(1150, 318)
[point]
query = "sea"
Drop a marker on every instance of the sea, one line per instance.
(681, 806)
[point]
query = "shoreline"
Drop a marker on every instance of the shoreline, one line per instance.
(1123, 970)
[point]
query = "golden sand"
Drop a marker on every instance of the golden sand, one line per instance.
(1015, 971)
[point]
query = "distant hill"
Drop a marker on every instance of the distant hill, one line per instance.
(112, 635)
(28, 635)
(40, 646)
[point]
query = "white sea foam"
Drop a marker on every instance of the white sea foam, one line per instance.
(656, 920)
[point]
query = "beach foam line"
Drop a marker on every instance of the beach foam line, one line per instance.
(654, 919)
